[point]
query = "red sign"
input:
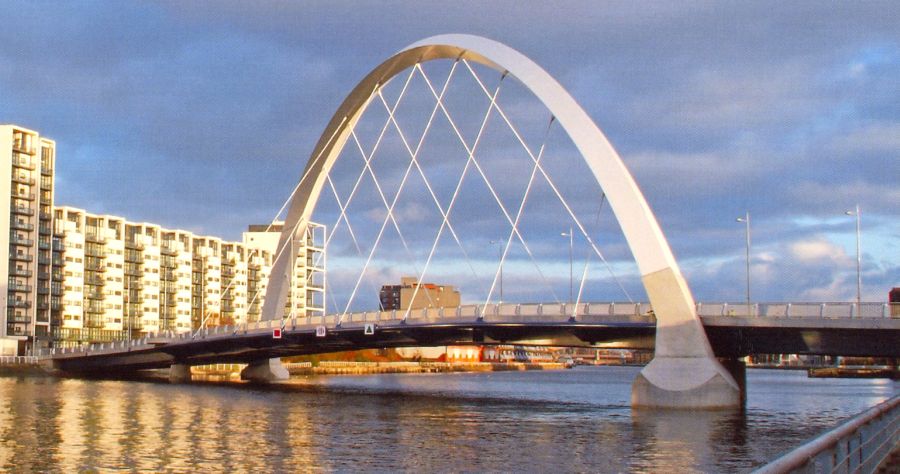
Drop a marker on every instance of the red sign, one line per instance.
(276, 333)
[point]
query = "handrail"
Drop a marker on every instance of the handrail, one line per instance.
(560, 312)
(848, 447)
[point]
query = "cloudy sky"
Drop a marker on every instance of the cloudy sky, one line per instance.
(201, 115)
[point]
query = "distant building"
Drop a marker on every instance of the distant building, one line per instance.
(407, 296)
(26, 263)
(894, 300)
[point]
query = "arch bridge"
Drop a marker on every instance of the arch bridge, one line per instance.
(685, 372)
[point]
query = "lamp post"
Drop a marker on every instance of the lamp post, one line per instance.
(746, 221)
(569, 235)
(499, 244)
(855, 212)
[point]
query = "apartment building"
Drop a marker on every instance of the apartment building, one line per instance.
(74, 277)
(124, 279)
(307, 295)
(26, 187)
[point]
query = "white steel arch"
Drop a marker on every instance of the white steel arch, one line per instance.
(680, 336)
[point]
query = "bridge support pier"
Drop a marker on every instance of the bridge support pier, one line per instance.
(265, 371)
(686, 383)
(684, 373)
(179, 373)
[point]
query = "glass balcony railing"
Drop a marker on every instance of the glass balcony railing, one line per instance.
(27, 211)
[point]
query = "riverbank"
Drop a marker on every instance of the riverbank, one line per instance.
(855, 372)
(365, 368)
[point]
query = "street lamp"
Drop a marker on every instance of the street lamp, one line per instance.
(499, 244)
(746, 221)
(855, 212)
(569, 235)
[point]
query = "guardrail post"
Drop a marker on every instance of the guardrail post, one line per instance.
(724, 309)
(886, 310)
(699, 308)
(822, 310)
(854, 310)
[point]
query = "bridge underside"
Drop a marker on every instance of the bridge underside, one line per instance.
(735, 339)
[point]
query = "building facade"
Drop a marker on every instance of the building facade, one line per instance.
(122, 279)
(74, 277)
(307, 294)
(26, 185)
(406, 296)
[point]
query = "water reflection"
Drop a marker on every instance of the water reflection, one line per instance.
(544, 421)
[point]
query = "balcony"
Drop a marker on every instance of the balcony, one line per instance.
(58, 246)
(57, 276)
(46, 170)
(93, 295)
(94, 237)
(18, 318)
(94, 280)
(45, 216)
(23, 196)
(18, 304)
(21, 288)
(95, 267)
(165, 250)
(22, 146)
(23, 210)
(21, 257)
(14, 224)
(46, 198)
(43, 260)
(20, 241)
(92, 252)
(43, 275)
(43, 290)
(22, 162)
(23, 179)
(20, 272)
(43, 245)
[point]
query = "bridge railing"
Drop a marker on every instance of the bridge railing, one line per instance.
(859, 445)
(511, 312)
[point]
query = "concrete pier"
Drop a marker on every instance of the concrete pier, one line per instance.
(265, 371)
(685, 383)
(179, 373)
(684, 373)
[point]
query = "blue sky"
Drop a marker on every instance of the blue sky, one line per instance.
(201, 115)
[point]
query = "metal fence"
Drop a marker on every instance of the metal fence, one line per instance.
(859, 445)
(18, 360)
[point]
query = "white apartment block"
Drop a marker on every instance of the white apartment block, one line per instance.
(74, 277)
(126, 279)
(307, 295)
(26, 194)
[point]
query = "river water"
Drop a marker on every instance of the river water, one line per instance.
(536, 421)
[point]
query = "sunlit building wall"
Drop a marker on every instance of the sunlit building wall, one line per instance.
(307, 290)
(26, 192)
(121, 279)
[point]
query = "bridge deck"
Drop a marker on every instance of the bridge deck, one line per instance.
(608, 325)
